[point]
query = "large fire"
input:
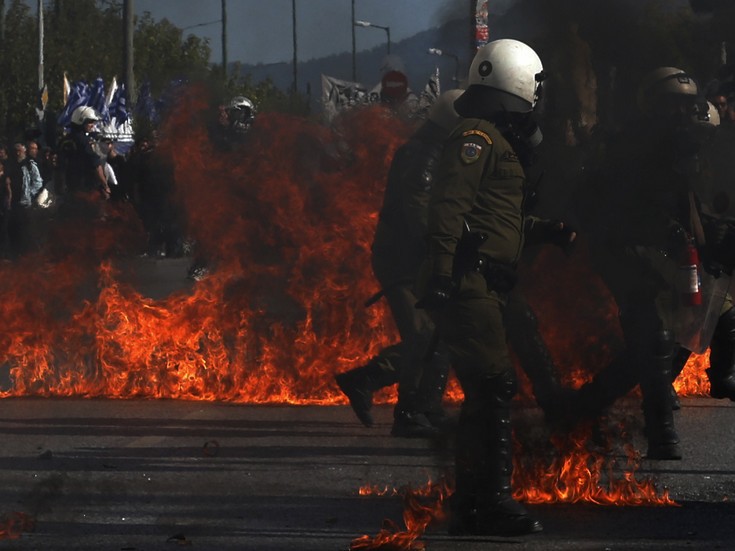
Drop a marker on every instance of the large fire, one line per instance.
(286, 224)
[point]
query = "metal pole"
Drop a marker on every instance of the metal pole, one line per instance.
(224, 38)
(354, 54)
(295, 56)
(128, 53)
(40, 45)
(387, 31)
(2, 20)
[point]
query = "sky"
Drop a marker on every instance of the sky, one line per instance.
(260, 31)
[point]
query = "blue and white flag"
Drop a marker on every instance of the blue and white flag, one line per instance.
(118, 105)
(97, 99)
(145, 107)
(78, 96)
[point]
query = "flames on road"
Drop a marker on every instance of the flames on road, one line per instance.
(286, 224)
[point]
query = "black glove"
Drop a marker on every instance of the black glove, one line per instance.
(562, 236)
(440, 290)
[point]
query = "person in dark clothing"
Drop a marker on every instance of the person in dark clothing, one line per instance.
(5, 200)
(153, 196)
(82, 165)
(397, 253)
(642, 218)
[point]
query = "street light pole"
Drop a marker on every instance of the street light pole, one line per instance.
(354, 54)
(40, 45)
(128, 50)
(295, 56)
(358, 23)
(224, 39)
(437, 51)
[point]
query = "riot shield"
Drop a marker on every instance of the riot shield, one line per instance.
(694, 325)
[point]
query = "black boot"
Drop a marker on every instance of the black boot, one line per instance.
(360, 383)
(722, 358)
(663, 441)
(483, 503)
(408, 419)
(431, 389)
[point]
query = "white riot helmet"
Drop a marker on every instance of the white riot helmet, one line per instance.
(665, 82)
(83, 115)
(705, 120)
(512, 68)
(442, 113)
(706, 115)
(241, 112)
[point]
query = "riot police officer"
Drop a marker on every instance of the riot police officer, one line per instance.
(476, 231)
(234, 121)
(398, 250)
(82, 166)
(642, 217)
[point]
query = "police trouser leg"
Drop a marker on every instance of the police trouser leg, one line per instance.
(483, 502)
(416, 330)
(531, 350)
(721, 372)
(657, 358)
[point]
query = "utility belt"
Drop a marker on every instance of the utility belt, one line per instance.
(500, 277)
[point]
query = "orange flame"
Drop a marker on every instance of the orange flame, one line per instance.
(371, 490)
(286, 224)
(422, 508)
(575, 474)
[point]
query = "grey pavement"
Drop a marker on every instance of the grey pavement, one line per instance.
(80, 474)
(149, 475)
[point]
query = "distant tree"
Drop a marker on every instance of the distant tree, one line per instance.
(162, 53)
(84, 39)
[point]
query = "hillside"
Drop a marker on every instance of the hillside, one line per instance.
(452, 37)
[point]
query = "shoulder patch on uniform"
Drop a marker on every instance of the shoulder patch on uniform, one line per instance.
(480, 133)
(470, 152)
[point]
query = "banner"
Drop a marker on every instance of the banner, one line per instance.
(79, 95)
(481, 32)
(343, 94)
(338, 95)
(118, 106)
(97, 98)
(430, 93)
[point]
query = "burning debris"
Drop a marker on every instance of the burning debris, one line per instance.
(422, 507)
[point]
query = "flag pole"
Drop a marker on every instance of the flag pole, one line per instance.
(40, 45)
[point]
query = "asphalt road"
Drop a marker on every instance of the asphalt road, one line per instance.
(129, 475)
(148, 475)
